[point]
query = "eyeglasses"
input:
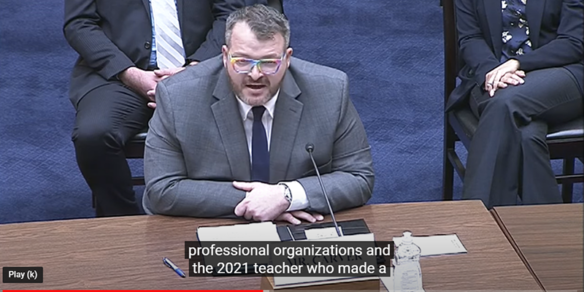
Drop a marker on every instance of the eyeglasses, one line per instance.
(265, 66)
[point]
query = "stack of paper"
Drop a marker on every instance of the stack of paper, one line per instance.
(436, 244)
(262, 232)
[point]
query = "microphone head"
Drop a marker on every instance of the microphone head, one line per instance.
(309, 147)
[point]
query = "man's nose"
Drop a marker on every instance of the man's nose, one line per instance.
(255, 73)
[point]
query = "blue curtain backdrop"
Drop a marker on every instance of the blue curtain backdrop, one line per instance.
(391, 50)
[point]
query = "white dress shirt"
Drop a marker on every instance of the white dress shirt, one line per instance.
(299, 199)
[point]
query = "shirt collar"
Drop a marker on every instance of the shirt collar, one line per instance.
(270, 106)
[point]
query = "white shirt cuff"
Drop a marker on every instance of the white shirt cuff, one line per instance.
(299, 199)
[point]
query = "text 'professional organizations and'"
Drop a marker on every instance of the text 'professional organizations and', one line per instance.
(292, 258)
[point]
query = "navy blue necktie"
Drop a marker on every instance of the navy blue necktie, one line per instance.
(260, 165)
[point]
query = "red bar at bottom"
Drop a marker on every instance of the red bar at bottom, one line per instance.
(135, 290)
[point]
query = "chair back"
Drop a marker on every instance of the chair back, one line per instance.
(452, 60)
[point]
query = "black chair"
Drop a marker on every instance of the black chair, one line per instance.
(135, 150)
(565, 142)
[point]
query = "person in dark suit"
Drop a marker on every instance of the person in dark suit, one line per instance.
(524, 71)
(122, 56)
(261, 108)
(276, 4)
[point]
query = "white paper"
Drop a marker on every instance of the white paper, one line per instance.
(388, 282)
(264, 231)
(436, 244)
(322, 233)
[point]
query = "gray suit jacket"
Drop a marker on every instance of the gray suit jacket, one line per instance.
(196, 144)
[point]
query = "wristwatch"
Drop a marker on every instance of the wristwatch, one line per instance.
(287, 192)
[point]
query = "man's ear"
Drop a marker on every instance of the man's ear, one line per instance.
(225, 53)
(289, 52)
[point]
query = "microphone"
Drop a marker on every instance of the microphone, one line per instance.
(309, 149)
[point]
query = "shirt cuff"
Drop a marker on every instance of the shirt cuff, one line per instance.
(299, 199)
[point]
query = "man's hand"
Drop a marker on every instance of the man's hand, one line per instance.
(263, 202)
(512, 79)
(294, 217)
(163, 74)
(493, 78)
(139, 80)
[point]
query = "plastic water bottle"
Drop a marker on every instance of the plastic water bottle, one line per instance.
(407, 272)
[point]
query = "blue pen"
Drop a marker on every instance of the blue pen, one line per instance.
(171, 265)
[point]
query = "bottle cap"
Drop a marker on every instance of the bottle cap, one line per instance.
(407, 237)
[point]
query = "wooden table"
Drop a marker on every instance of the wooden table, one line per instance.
(127, 252)
(549, 240)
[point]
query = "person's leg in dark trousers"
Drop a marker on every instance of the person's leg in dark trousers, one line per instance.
(108, 117)
(508, 155)
(537, 165)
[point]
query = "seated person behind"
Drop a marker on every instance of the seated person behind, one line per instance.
(523, 73)
(125, 48)
(229, 135)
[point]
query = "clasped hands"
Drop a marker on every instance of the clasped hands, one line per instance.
(144, 82)
(504, 75)
(265, 202)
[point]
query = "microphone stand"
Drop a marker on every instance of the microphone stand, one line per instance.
(309, 149)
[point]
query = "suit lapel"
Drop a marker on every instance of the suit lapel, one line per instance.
(180, 9)
(494, 19)
(230, 125)
(287, 116)
(534, 12)
(147, 7)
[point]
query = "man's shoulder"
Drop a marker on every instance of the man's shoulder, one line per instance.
(204, 73)
(300, 67)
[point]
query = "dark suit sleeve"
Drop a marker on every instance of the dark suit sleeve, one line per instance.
(83, 33)
(566, 48)
(350, 183)
(473, 48)
(216, 36)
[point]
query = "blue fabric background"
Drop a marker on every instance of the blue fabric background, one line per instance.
(392, 51)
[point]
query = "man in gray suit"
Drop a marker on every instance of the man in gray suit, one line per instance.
(207, 156)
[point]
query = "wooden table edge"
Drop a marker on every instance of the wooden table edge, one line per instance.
(515, 246)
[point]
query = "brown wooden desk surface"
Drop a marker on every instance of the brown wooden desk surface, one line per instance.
(549, 238)
(127, 252)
